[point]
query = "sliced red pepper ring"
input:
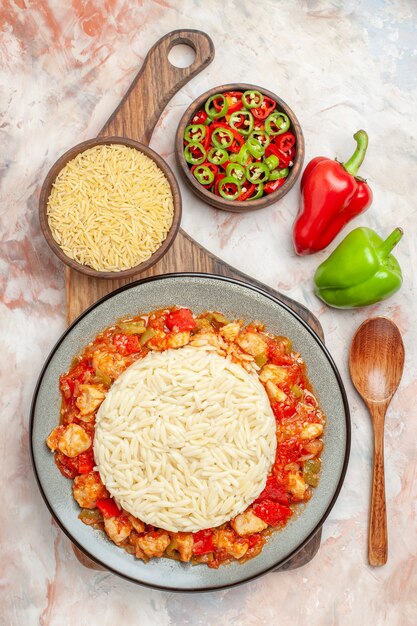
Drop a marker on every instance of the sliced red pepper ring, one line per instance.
(266, 108)
(273, 185)
(285, 142)
(217, 180)
(200, 117)
(247, 191)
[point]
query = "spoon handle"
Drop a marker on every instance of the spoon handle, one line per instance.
(378, 538)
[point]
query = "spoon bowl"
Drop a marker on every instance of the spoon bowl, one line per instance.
(376, 363)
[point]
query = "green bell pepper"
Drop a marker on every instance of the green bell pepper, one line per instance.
(360, 271)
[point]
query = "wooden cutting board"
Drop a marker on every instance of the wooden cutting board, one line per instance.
(157, 81)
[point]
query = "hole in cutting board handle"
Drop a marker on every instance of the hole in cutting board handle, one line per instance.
(181, 55)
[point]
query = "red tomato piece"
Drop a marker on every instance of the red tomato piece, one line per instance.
(288, 451)
(272, 513)
(126, 344)
(108, 507)
(180, 320)
(69, 383)
(86, 462)
(203, 542)
(276, 356)
(273, 491)
(284, 409)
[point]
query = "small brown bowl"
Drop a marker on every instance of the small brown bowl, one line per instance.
(218, 201)
(51, 177)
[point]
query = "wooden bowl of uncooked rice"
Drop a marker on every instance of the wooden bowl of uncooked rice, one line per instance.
(110, 207)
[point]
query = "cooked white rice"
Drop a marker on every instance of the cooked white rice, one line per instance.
(185, 439)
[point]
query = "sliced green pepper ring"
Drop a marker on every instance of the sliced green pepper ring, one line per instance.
(257, 173)
(282, 173)
(217, 156)
(244, 156)
(229, 188)
(222, 137)
(277, 123)
(211, 109)
(272, 161)
(237, 171)
(242, 121)
(261, 136)
(195, 132)
(195, 153)
(252, 99)
(256, 149)
(259, 192)
(203, 174)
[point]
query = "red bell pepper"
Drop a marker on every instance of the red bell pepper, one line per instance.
(331, 195)
(273, 185)
(203, 542)
(266, 108)
(108, 507)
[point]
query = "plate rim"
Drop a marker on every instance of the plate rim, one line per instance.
(321, 345)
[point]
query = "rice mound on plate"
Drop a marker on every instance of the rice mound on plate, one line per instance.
(185, 439)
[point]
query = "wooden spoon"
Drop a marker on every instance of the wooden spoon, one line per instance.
(376, 363)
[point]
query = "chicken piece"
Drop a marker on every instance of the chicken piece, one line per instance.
(87, 489)
(296, 485)
(177, 340)
(251, 343)
(275, 373)
(231, 331)
(274, 393)
(205, 338)
(89, 399)
(109, 363)
(117, 528)
(53, 439)
(154, 543)
(185, 542)
(137, 524)
(311, 431)
(226, 540)
(74, 440)
(247, 523)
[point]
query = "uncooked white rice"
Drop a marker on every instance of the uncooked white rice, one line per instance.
(185, 439)
(110, 207)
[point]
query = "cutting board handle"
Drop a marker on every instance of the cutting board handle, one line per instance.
(155, 84)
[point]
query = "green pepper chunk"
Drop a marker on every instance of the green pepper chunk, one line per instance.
(277, 173)
(235, 170)
(195, 153)
(242, 121)
(297, 391)
(256, 149)
(148, 334)
(277, 123)
(261, 136)
(360, 271)
(133, 328)
(272, 161)
(218, 156)
(244, 156)
(222, 137)
(211, 110)
(257, 172)
(229, 188)
(252, 99)
(195, 132)
(311, 472)
(203, 174)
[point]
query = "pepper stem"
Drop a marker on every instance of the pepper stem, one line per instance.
(356, 160)
(390, 242)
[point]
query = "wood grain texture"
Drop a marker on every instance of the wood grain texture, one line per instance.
(135, 118)
(376, 362)
(217, 201)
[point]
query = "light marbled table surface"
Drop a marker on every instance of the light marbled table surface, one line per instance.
(340, 66)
